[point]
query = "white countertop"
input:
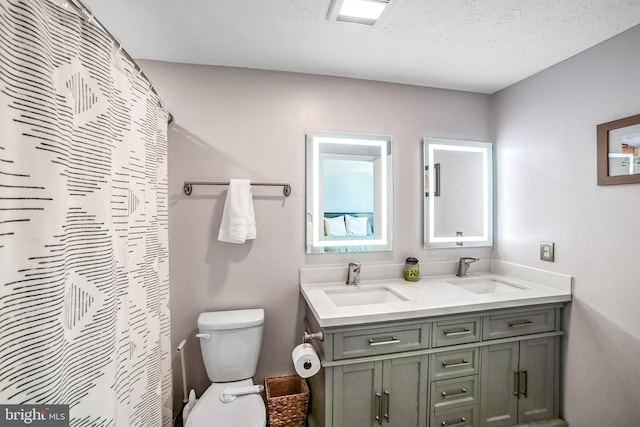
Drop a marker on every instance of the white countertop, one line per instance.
(434, 296)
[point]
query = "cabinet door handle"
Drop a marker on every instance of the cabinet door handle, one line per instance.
(525, 383)
(462, 392)
(457, 332)
(378, 408)
(463, 422)
(383, 341)
(516, 384)
(520, 323)
(387, 398)
(463, 362)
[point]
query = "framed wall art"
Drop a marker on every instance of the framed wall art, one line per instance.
(619, 151)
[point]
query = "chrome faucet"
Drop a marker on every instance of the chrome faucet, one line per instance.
(353, 275)
(463, 265)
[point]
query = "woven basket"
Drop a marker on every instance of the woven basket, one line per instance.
(287, 401)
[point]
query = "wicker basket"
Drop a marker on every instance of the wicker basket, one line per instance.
(287, 401)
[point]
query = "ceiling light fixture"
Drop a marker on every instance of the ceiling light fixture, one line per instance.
(367, 12)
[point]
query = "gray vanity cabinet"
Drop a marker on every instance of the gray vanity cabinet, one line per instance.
(490, 368)
(390, 392)
(518, 382)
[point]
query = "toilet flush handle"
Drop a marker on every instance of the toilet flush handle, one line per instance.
(203, 336)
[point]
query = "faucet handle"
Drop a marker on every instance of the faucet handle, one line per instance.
(469, 259)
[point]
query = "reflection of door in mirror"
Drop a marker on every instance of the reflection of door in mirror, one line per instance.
(460, 214)
(348, 189)
(460, 194)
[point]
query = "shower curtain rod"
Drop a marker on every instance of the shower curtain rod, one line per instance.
(83, 9)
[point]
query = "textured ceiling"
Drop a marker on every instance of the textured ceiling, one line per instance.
(474, 45)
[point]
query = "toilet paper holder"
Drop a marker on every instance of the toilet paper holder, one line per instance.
(308, 336)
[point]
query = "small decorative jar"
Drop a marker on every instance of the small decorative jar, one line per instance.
(411, 269)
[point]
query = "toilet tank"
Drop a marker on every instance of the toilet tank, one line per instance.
(230, 342)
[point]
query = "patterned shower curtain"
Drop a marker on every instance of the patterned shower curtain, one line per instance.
(84, 280)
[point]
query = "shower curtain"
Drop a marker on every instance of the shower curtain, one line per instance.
(84, 281)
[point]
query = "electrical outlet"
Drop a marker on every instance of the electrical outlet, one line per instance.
(546, 251)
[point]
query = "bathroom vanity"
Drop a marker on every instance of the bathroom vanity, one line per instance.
(465, 352)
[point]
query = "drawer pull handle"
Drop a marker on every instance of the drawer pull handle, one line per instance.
(460, 424)
(383, 341)
(516, 384)
(457, 332)
(462, 392)
(520, 323)
(463, 362)
(378, 408)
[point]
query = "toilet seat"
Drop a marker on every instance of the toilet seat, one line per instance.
(246, 411)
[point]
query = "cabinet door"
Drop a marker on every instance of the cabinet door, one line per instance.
(357, 396)
(404, 392)
(498, 383)
(537, 369)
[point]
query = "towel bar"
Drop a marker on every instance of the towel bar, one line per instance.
(188, 186)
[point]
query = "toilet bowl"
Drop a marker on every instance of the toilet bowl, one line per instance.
(246, 410)
(230, 342)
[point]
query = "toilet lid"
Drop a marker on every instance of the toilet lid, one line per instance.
(246, 411)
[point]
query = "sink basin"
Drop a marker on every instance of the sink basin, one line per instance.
(486, 285)
(363, 296)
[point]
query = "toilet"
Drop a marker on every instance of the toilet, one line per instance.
(230, 342)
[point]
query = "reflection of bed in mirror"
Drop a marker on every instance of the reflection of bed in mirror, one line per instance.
(348, 226)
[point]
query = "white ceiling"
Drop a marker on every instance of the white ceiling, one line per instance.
(473, 45)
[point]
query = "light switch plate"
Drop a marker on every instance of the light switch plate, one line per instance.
(546, 251)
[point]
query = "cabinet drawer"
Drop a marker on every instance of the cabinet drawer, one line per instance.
(369, 342)
(459, 331)
(462, 417)
(454, 393)
(453, 364)
(519, 323)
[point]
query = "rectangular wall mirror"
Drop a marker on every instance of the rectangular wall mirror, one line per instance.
(458, 193)
(349, 192)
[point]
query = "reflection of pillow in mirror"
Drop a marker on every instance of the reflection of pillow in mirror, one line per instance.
(334, 226)
(356, 225)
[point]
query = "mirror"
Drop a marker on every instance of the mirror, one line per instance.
(458, 193)
(349, 192)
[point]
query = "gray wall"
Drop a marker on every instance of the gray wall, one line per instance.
(237, 123)
(545, 133)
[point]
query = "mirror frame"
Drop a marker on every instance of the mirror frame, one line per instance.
(314, 243)
(486, 149)
(604, 152)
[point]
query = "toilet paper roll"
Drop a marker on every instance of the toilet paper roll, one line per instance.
(305, 360)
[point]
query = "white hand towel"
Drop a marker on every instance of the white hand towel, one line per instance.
(238, 219)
